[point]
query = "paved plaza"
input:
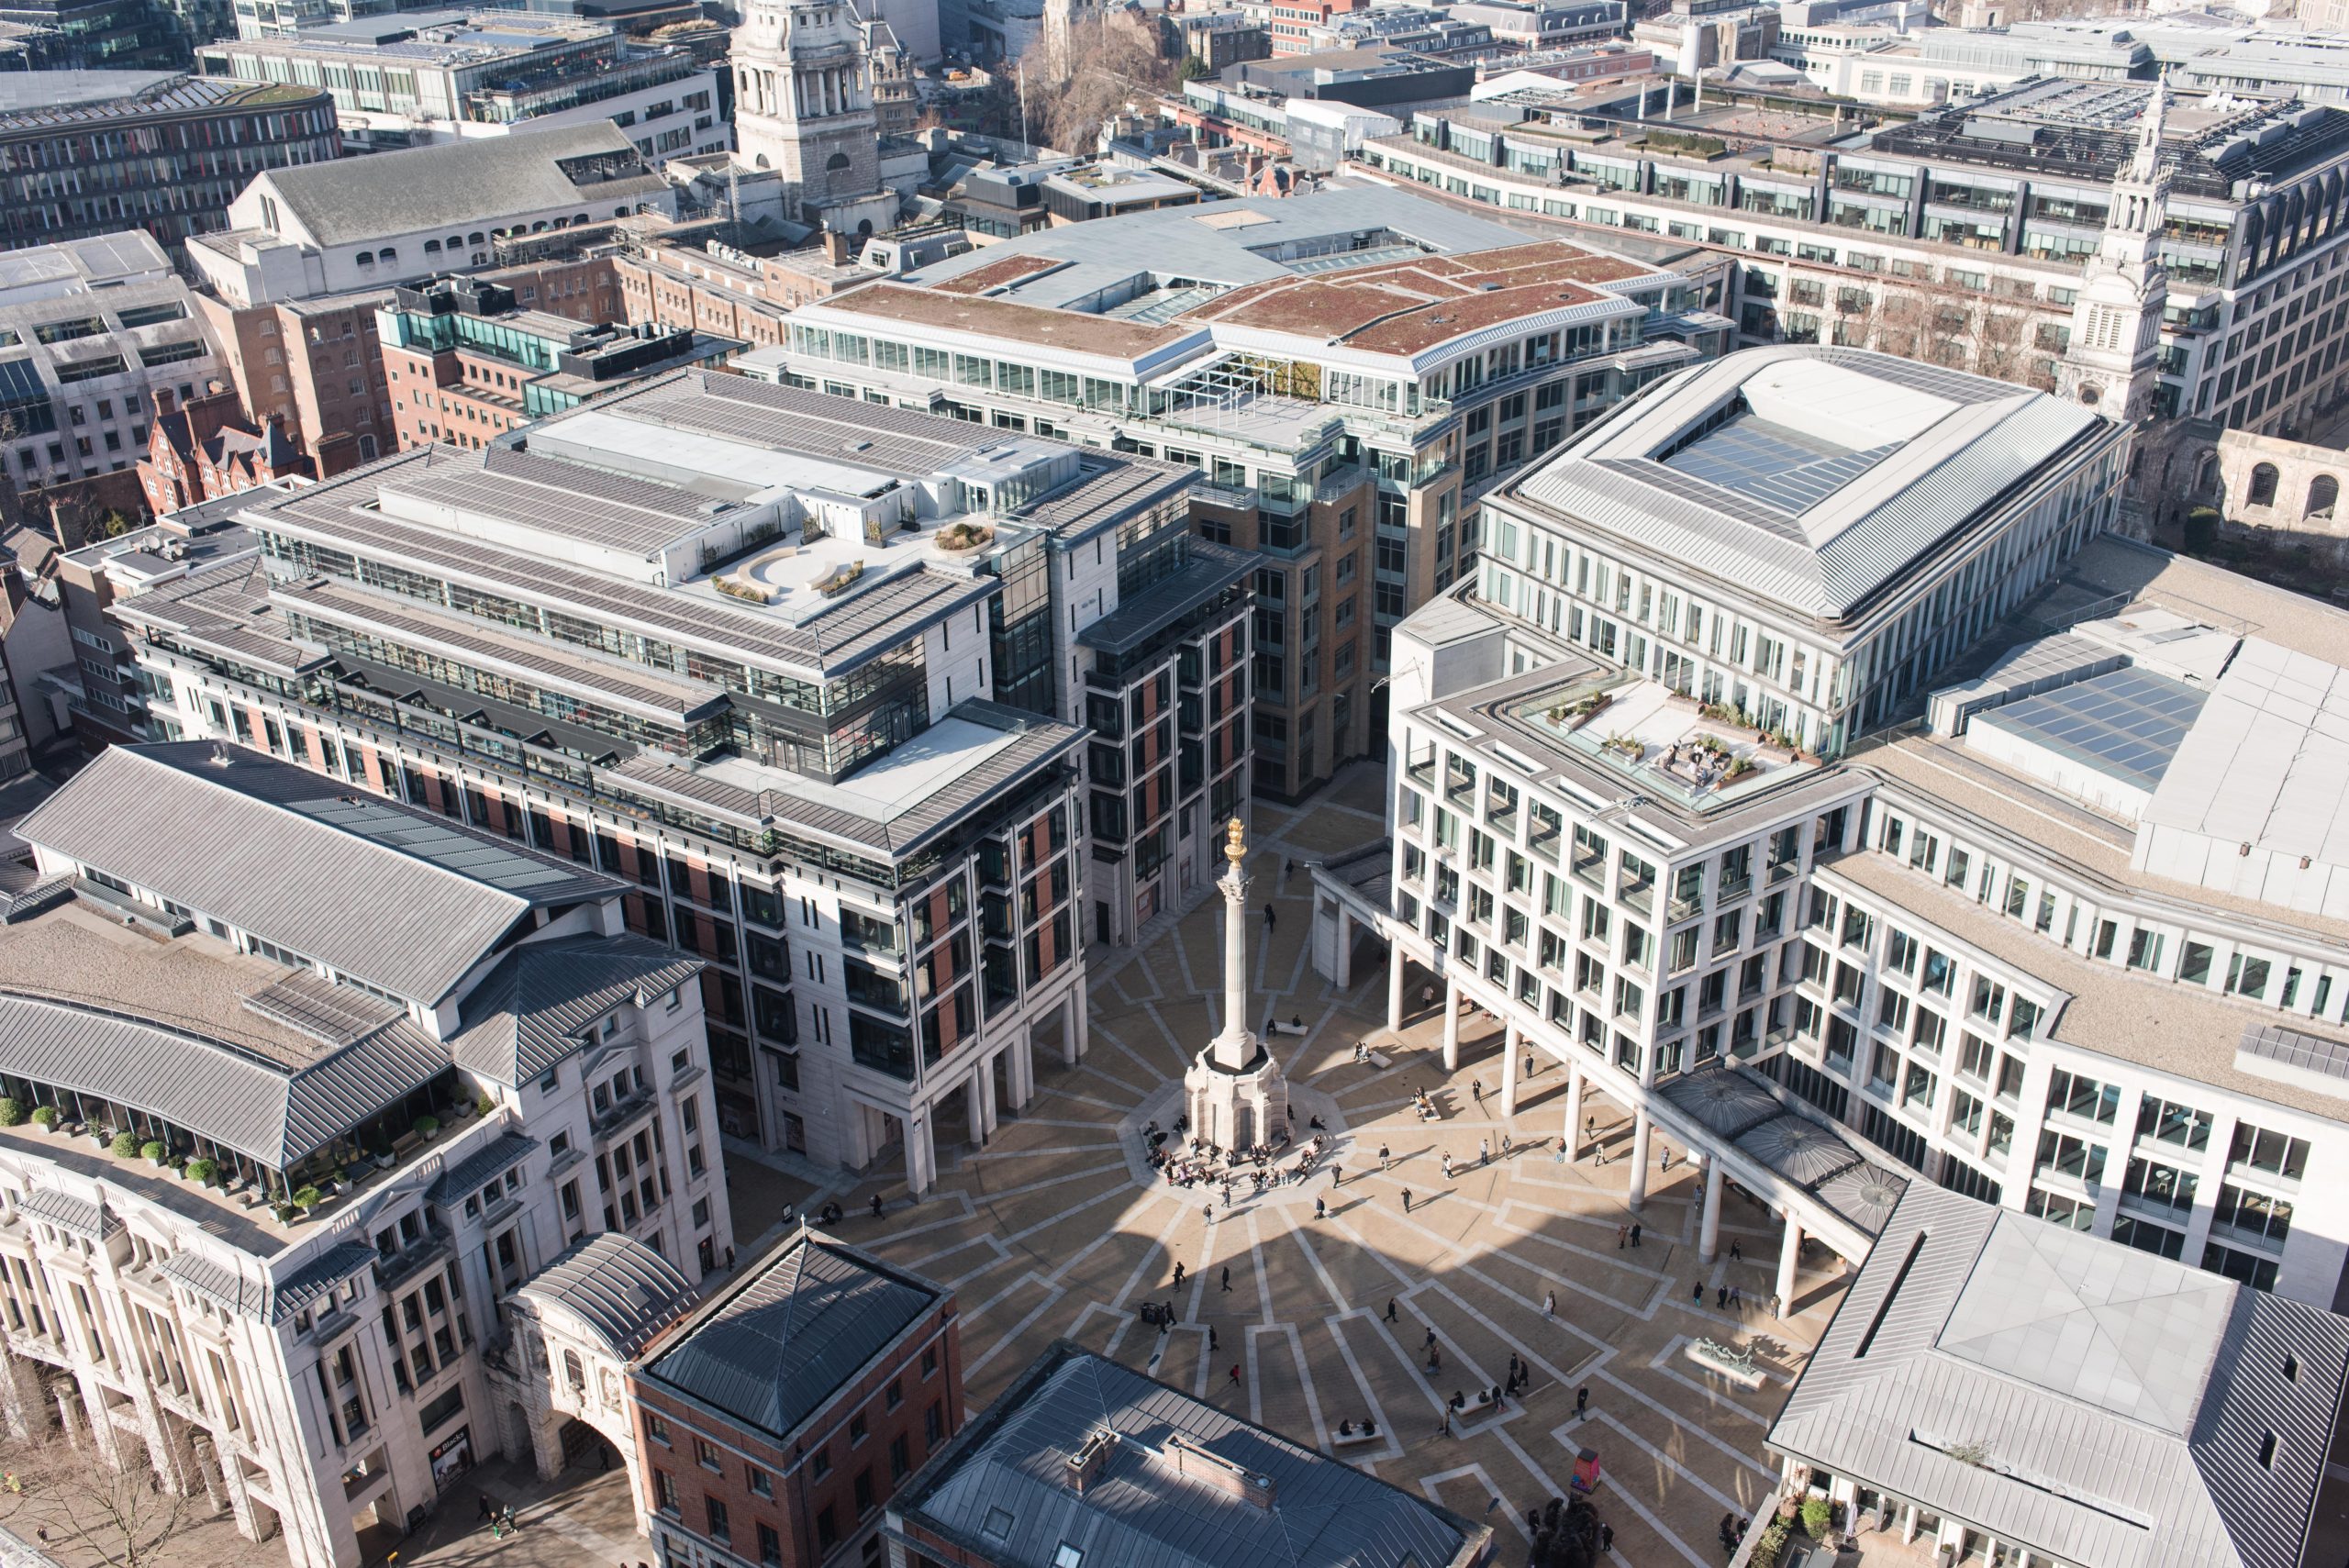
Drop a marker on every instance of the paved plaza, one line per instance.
(1058, 1228)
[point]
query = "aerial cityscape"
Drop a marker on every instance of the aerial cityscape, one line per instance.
(1173, 784)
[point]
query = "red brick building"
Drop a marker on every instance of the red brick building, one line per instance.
(777, 1421)
(208, 448)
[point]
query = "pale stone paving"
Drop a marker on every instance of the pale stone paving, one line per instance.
(1059, 1229)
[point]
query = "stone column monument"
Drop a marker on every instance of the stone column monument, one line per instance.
(1235, 1093)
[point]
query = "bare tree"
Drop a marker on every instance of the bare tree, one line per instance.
(1089, 71)
(122, 1517)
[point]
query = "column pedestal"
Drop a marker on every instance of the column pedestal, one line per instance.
(1638, 1194)
(1708, 1230)
(1452, 1025)
(1789, 1256)
(1574, 1111)
(1394, 964)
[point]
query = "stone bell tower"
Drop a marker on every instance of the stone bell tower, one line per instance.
(1235, 1091)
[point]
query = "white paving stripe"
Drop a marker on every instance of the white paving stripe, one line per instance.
(1670, 1463)
(1699, 1433)
(1619, 1494)
(1052, 1293)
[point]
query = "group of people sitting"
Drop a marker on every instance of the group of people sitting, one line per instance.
(1366, 1427)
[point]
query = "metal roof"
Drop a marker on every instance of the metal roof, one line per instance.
(317, 1276)
(216, 828)
(260, 1109)
(776, 1348)
(615, 1284)
(230, 1289)
(1210, 570)
(2126, 724)
(534, 1008)
(472, 180)
(1164, 1494)
(480, 1168)
(1811, 476)
(2069, 1395)
(86, 1218)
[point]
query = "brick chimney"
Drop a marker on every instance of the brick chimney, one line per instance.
(1086, 1465)
(165, 400)
(1196, 1461)
(836, 248)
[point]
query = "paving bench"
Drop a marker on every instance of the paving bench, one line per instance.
(1279, 1027)
(1377, 1059)
(1356, 1439)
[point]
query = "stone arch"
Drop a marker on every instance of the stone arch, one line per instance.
(2264, 479)
(836, 163)
(2325, 496)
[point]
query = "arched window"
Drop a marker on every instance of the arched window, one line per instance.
(473, 239)
(432, 247)
(2263, 486)
(572, 1371)
(2324, 493)
(837, 162)
(391, 257)
(366, 258)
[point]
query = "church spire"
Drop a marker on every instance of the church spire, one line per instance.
(2113, 362)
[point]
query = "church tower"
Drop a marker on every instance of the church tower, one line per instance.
(803, 106)
(2112, 364)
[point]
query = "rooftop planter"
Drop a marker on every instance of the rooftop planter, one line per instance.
(963, 539)
(838, 579)
(736, 588)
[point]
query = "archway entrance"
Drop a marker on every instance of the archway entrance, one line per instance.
(582, 1445)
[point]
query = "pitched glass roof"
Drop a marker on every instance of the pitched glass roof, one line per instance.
(2126, 724)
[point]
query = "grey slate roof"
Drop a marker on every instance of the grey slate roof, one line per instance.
(2111, 1405)
(399, 898)
(1001, 1489)
(230, 1289)
(86, 1218)
(784, 1339)
(617, 1285)
(317, 1276)
(530, 1011)
(449, 185)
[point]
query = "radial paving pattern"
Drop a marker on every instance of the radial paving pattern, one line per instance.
(1058, 1227)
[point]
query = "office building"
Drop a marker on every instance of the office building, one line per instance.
(101, 35)
(396, 217)
(1084, 1458)
(465, 364)
(801, 669)
(780, 1419)
(93, 153)
(1961, 236)
(419, 81)
(303, 1149)
(90, 332)
(2073, 944)
(104, 698)
(1348, 368)
(1998, 1390)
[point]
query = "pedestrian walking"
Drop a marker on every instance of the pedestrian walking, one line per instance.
(1622, 1235)
(1382, 1160)
(1605, 1538)
(1550, 1304)
(1407, 1200)
(1529, 1065)
(1235, 1375)
(1227, 1276)
(1447, 1167)
(1697, 1294)
(1635, 1235)
(1476, 1089)
(1269, 921)
(1736, 1298)
(1443, 1423)
(481, 1503)
(1337, 1175)
(1179, 1274)
(876, 1206)
(1484, 1151)
(1736, 1253)
(1721, 1296)
(1582, 1402)
(1430, 1340)
(1209, 1210)
(1390, 1309)
(1320, 1210)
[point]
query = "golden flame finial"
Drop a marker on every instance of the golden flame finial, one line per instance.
(1232, 850)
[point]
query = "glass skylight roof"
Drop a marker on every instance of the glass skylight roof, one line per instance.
(1781, 467)
(2126, 724)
